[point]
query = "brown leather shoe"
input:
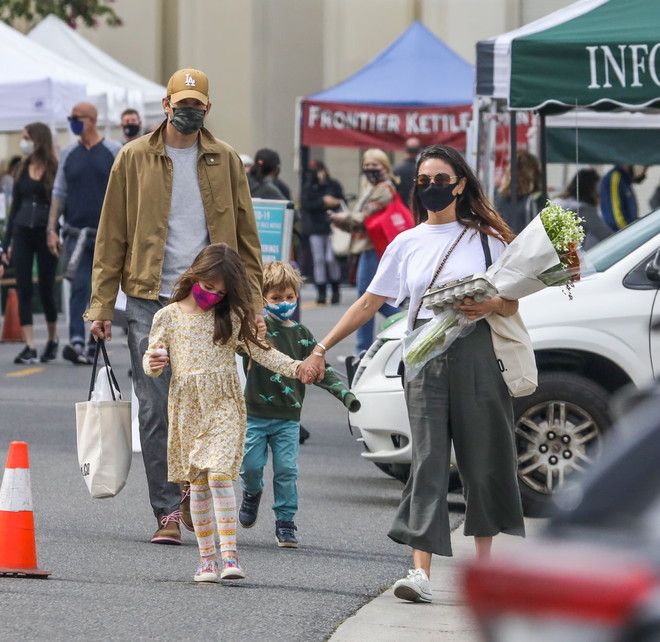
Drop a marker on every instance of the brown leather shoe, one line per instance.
(168, 532)
(186, 517)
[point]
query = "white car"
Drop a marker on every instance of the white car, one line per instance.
(586, 349)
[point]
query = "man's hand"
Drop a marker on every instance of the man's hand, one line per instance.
(6, 257)
(2, 270)
(54, 244)
(331, 202)
(261, 326)
(102, 330)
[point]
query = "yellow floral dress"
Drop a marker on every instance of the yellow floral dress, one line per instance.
(206, 407)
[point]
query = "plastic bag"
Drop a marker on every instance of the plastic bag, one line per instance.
(102, 390)
(433, 339)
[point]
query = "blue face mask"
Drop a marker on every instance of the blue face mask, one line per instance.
(77, 126)
(281, 311)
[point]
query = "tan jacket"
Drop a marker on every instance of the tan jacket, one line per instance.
(130, 243)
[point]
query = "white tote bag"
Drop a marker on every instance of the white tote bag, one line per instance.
(104, 433)
(515, 354)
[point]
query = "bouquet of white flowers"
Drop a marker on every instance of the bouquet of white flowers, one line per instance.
(547, 253)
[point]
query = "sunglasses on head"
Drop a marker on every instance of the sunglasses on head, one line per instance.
(441, 180)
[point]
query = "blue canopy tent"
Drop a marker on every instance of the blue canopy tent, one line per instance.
(416, 87)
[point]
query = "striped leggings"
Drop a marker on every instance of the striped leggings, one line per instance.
(212, 500)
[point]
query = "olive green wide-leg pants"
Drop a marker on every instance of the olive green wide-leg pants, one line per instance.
(460, 397)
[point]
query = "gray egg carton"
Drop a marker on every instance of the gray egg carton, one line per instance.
(444, 297)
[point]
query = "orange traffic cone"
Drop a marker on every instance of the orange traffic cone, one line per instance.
(11, 328)
(18, 553)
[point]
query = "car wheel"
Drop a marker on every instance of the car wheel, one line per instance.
(558, 433)
(398, 471)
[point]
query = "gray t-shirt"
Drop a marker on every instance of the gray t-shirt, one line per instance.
(187, 231)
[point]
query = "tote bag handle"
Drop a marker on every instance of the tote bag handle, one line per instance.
(100, 348)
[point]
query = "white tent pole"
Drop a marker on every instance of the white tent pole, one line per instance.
(297, 134)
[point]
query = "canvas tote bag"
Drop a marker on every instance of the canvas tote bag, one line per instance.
(514, 353)
(103, 424)
(512, 346)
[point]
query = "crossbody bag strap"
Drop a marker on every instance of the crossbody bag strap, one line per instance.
(437, 272)
(486, 247)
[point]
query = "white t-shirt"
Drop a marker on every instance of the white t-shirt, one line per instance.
(412, 258)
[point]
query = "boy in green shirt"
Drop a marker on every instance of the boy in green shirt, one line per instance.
(274, 404)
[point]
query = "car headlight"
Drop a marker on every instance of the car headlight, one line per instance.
(392, 365)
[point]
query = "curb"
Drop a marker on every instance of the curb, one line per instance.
(387, 619)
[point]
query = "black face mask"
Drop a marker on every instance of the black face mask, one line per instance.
(130, 131)
(373, 175)
(435, 198)
(187, 120)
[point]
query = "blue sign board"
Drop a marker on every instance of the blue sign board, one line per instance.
(275, 226)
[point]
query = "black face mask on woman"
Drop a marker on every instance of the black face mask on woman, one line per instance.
(373, 175)
(435, 198)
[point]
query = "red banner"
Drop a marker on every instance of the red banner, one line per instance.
(365, 126)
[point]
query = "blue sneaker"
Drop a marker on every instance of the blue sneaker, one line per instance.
(249, 510)
(285, 534)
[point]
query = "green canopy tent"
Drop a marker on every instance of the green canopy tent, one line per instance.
(598, 55)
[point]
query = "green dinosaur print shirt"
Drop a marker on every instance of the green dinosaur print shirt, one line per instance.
(271, 395)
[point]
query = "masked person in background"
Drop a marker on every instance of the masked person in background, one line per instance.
(618, 204)
(170, 195)
(78, 192)
(131, 125)
(378, 190)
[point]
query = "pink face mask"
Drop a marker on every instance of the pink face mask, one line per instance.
(204, 299)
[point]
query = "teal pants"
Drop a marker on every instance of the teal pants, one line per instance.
(284, 439)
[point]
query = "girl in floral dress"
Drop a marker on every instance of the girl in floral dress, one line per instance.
(211, 315)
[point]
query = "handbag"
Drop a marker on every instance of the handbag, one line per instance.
(383, 227)
(514, 353)
(103, 426)
(512, 346)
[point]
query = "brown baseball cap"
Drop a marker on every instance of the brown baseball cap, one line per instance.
(188, 83)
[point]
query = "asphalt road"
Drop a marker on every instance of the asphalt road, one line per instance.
(109, 583)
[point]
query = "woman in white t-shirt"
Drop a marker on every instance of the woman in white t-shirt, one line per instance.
(459, 397)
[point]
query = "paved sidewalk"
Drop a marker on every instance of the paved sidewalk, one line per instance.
(387, 619)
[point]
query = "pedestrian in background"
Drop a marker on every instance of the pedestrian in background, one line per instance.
(378, 190)
(321, 194)
(7, 180)
(78, 193)
(581, 196)
(274, 404)
(618, 203)
(247, 161)
(459, 397)
(261, 177)
(407, 169)
(210, 318)
(170, 194)
(529, 187)
(25, 238)
(131, 125)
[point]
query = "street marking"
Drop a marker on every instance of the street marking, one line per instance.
(24, 373)
(309, 305)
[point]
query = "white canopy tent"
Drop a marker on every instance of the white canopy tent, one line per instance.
(110, 99)
(30, 92)
(141, 93)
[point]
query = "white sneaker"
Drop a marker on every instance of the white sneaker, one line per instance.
(416, 587)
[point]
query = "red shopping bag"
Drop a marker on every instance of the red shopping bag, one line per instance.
(385, 226)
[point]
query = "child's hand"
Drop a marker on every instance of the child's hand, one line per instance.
(159, 358)
(307, 374)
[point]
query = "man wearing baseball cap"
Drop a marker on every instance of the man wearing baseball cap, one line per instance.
(170, 194)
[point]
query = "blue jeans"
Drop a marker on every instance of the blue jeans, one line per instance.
(284, 439)
(366, 271)
(81, 287)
